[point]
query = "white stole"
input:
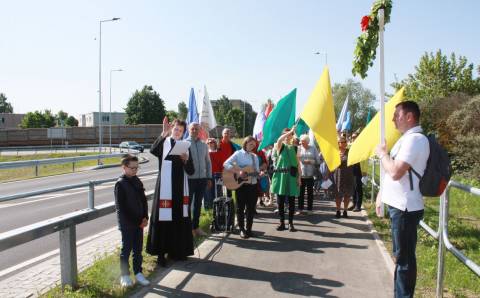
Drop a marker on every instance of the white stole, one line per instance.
(165, 199)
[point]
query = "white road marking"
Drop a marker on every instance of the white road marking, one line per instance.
(45, 197)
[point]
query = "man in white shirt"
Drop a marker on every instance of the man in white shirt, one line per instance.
(401, 193)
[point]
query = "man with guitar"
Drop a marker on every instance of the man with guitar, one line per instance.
(243, 168)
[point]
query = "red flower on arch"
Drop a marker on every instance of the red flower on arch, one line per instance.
(364, 23)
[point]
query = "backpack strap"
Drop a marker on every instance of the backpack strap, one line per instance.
(410, 176)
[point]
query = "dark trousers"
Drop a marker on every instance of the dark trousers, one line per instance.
(214, 192)
(132, 239)
(404, 239)
(246, 199)
(281, 208)
(308, 184)
(209, 195)
(196, 190)
(358, 193)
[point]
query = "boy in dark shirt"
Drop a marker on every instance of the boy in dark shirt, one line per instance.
(132, 215)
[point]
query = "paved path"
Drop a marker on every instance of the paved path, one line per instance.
(326, 257)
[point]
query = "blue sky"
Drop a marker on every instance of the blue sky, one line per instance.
(251, 50)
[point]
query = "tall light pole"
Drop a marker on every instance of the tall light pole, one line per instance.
(110, 114)
(100, 130)
(323, 53)
(244, 102)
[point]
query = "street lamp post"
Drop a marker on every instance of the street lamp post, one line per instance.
(100, 130)
(323, 53)
(244, 102)
(110, 114)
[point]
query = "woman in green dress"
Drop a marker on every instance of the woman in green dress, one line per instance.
(286, 177)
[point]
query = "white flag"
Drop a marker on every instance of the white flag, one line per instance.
(207, 117)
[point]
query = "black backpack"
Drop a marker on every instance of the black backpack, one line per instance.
(437, 173)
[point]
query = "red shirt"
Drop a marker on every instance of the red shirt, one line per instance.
(217, 165)
(225, 150)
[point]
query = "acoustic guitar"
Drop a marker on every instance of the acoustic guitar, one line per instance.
(232, 179)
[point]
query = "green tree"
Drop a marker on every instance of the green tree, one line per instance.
(221, 109)
(182, 110)
(437, 81)
(171, 115)
(61, 118)
(38, 119)
(145, 107)
(71, 121)
(235, 118)
(463, 129)
(437, 76)
(5, 107)
(360, 101)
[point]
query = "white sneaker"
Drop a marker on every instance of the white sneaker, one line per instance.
(125, 281)
(141, 279)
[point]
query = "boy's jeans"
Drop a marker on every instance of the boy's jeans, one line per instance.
(132, 239)
(404, 241)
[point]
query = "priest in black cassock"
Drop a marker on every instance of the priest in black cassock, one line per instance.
(170, 230)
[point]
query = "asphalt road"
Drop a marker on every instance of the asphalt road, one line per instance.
(22, 212)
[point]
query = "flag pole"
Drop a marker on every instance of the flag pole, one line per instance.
(381, 23)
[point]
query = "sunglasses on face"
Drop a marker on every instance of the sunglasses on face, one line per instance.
(134, 168)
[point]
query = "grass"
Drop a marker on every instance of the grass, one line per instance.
(48, 170)
(464, 233)
(102, 278)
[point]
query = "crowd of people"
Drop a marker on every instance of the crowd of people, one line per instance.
(285, 172)
(288, 171)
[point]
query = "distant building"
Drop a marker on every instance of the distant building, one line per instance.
(10, 121)
(91, 119)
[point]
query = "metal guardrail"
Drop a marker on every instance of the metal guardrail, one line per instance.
(49, 161)
(442, 231)
(444, 241)
(63, 148)
(64, 224)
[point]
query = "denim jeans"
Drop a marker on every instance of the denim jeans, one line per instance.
(196, 189)
(132, 239)
(404, 241)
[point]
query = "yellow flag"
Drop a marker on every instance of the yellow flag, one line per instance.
(364, 146)
(319, 115)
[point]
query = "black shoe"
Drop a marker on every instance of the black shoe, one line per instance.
(337, 215)
(281, 227)
(243, 234)
(357, 210)
(345, 215)
(262, 203)
(351, 208)
(249, 233)
(291, 228)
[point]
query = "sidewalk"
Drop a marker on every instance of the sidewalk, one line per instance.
(326, 257)
(44, 273)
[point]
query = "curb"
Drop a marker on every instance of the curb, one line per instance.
(205, 252)
(381, 246)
